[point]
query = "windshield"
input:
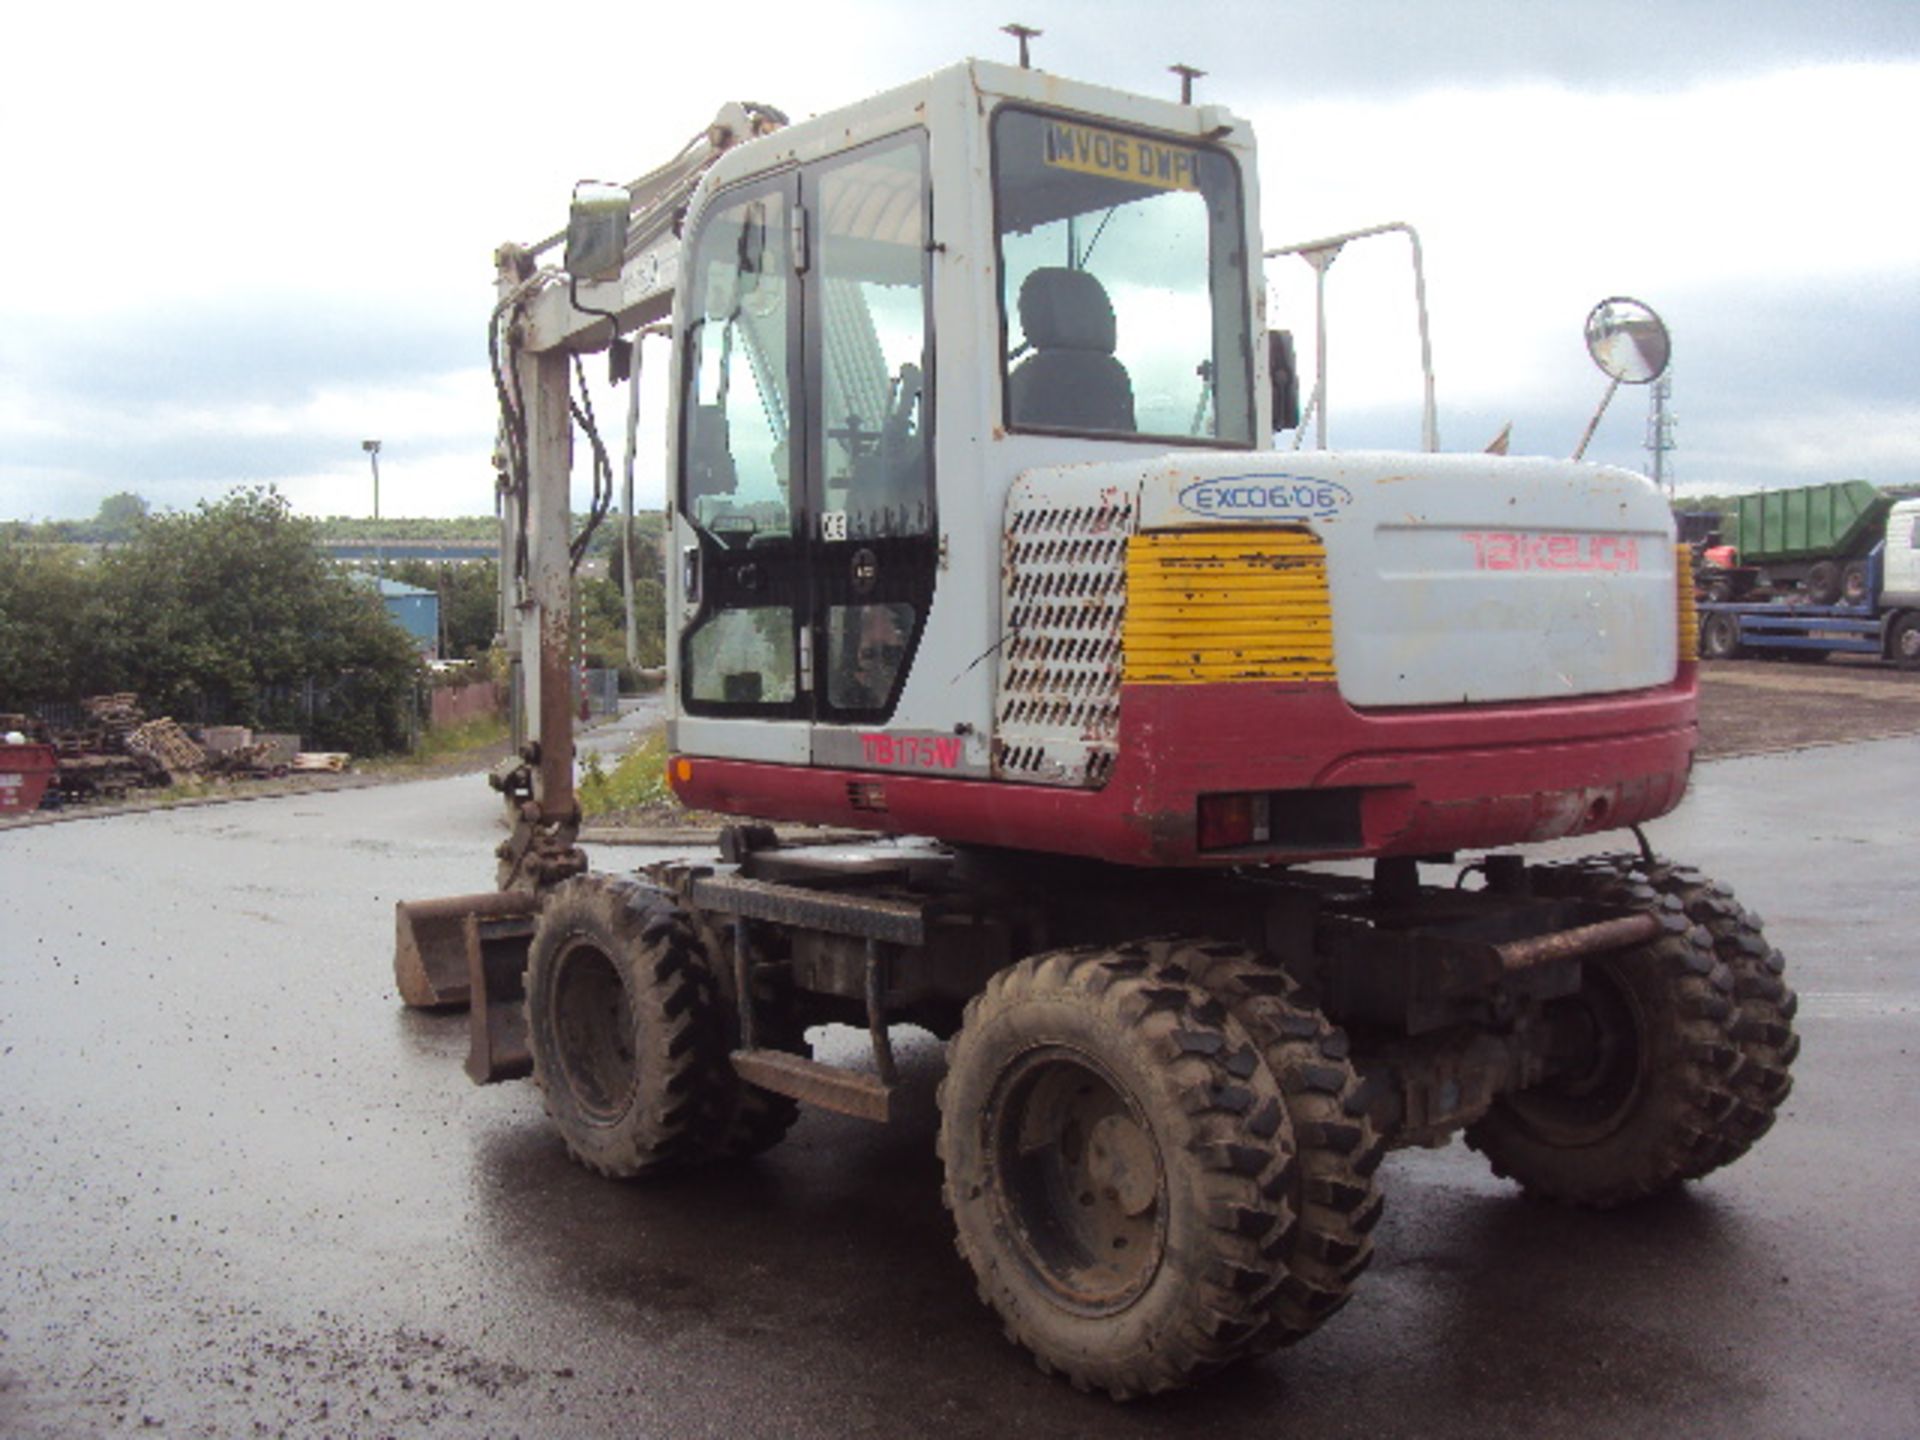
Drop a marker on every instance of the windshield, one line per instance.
(1123, 275)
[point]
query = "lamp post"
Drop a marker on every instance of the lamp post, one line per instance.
(372, 447)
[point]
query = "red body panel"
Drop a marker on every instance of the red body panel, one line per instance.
(1430, 780)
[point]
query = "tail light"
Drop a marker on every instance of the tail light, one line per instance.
(1227, 821)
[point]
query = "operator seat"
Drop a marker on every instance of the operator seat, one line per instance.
(1071, 380)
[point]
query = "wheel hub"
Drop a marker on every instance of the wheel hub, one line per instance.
(595, 1027)
(1080, 1180)
(1598, 1045)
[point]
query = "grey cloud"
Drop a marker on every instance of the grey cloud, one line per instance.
(1316, 48)
(261, 349)
(1742, 360)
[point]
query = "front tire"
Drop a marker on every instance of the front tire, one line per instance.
(1118, 1163)
(623, 1023)
(757, 1119)
(1903, 645)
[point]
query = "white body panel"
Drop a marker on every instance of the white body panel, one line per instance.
(1454, 579)
(1458, 579)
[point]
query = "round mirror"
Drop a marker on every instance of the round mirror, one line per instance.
(1628, 341)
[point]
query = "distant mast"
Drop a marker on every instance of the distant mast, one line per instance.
(1660, 432)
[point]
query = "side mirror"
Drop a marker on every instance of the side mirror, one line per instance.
(1628, 341)
(1283, 374)
(1631, 346)
(597, 230)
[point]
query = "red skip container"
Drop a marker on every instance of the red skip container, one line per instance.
(24, 773)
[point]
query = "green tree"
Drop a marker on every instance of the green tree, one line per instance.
(603, 622)
(50, 617)
(119, 518)
(230, 612)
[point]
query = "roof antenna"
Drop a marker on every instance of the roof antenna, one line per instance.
(1022, 33)
(1187, 76)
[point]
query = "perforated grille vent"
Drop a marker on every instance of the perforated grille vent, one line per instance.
(1064, 603)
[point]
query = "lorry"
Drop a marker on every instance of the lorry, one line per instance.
(1204, 777)
(1807, 540)
(1872, 600)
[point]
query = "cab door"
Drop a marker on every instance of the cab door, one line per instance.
(743, 579)
(805, 464)
(874, 548)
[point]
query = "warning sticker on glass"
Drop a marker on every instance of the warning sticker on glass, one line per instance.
(1117, 156)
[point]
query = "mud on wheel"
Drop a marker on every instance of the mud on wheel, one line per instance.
(1653, 1089)
(1336, 1151)
(1118, 1167)
(623, 1021)
(1764, 1004)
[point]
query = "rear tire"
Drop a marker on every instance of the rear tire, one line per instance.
(1764, 1004)
(623, 1022)
(1823, 582)
(1719, 636)
(1117, 1163)
(1853, 582)
(1336, 1150)
(1650, 1103)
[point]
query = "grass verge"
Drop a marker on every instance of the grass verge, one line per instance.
(637, 780)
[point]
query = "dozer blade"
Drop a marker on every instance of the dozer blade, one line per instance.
(432, 963)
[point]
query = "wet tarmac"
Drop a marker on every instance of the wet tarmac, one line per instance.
(242, 1191)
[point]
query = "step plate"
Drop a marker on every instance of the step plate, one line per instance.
(848, 1092)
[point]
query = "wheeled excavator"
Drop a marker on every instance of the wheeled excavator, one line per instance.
(1204, 774)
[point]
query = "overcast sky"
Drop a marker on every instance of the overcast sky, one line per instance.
(240, 239)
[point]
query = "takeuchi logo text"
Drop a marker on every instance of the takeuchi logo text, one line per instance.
(1265, 497)
(1510, 550)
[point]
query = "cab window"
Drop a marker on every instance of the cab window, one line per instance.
(1124, 283)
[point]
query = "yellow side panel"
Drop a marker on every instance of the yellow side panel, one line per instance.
(1227, 604)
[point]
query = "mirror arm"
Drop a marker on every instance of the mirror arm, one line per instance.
(1580, 450)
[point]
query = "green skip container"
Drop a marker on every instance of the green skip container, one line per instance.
(1839, 521)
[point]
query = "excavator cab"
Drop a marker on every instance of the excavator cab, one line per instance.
(872, 348)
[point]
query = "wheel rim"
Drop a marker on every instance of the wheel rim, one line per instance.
(1909, 642)
(595, 1030)
(1600, 1049)
(1720, 637)
(1078, 1179)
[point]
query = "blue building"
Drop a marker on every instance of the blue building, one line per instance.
(414, 610)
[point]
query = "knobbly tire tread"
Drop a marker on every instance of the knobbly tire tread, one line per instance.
(670, 1116)
(1683, 1120)
(1220, 1125)
(1719, 1083)
(758, 1119)
(1335, 1199)
(1764, 1004)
